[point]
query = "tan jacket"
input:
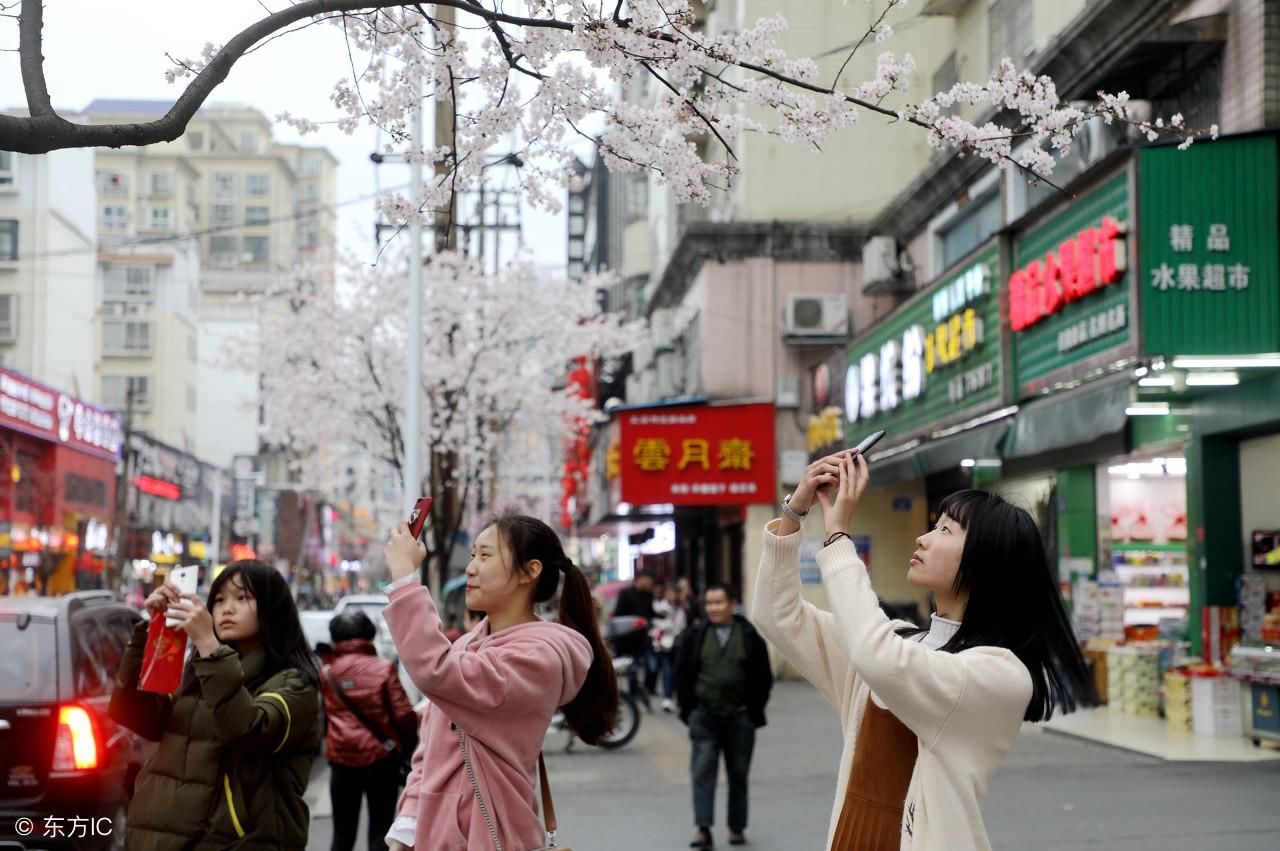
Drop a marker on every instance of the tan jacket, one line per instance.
(965, 708)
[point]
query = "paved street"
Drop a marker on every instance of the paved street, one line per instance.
(1053, 793)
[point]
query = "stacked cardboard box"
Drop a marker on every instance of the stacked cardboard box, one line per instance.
(1177, 701)
(1253, 605)
(1133, 680)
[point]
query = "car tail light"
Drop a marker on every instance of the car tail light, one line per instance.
(75, 748)
(640, 623)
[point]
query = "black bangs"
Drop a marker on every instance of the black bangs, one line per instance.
(960, 505)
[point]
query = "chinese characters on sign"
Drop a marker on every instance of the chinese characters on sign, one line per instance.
(32, 408)
(698, 456)
(1095, 327)
(1190, 277)
(1093, 259)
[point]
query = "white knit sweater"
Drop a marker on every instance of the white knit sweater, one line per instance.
(965, 708)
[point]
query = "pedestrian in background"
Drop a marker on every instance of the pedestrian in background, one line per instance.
(637, 602)
(493, 692)
(372, 734)
(669, 623)
(238, 738)
(928, 716)
(723, 678)
(689, 600)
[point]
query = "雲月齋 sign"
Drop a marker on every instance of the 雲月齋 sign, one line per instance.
(698, 455)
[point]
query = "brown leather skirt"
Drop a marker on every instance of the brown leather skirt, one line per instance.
(883, 761)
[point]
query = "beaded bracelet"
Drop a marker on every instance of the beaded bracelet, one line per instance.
(829, 541)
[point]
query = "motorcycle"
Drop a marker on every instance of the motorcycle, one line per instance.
(624, 728)
(621, 633)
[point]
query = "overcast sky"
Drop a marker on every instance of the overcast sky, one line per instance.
(96, 49)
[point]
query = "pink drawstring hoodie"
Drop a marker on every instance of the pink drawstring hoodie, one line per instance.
(500, 691)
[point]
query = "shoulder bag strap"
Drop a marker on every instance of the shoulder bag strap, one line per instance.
(548, 806)
(390, 745)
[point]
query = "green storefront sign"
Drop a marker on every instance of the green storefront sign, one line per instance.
(936, 359)
(1070, 300)
(1209, 257)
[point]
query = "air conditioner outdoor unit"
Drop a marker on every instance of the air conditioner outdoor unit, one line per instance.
(820, 317)
(881, 269)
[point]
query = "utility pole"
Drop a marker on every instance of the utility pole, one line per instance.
(115, 569)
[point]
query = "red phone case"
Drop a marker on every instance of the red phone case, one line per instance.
(418, 518)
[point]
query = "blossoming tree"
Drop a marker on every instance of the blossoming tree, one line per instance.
(497, 351)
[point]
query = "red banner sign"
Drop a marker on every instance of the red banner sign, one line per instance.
(698, 455)
(31, 407)
(1089, 261)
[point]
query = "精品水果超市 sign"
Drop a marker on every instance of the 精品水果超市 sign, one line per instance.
(1069, 295)
(1210, 270)
(698, 455)
(935, 359)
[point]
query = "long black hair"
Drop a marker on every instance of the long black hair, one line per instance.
(593, 710)
(1014, 602)
(279, 627)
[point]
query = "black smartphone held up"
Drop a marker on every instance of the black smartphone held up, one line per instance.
(868, 442)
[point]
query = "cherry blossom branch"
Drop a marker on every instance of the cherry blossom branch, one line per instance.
(687, 101)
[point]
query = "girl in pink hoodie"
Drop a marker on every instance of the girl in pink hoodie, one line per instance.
(493, 692)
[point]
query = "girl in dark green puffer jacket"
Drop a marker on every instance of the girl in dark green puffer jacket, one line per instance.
(238, 738)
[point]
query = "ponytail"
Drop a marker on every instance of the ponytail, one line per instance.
(593, 710)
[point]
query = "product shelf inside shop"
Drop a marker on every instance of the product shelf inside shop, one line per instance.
(1152, 614)
(1157, 592)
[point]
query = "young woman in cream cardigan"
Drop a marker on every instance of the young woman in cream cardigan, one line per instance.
(928, 716)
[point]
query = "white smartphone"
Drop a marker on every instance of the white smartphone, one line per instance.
(868, 442)
(185, 578)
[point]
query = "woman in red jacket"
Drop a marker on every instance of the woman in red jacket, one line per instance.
(372, 731)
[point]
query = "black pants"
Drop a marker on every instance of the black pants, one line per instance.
(734, 736)
(348, 787)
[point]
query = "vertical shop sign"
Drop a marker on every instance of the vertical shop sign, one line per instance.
(1208, 251)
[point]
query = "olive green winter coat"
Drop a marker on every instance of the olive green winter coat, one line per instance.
(234, 758)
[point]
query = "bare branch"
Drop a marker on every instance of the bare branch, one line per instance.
(870, 31)
(688, 101)
(31, 48)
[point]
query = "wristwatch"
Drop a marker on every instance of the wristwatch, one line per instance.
(797, 516)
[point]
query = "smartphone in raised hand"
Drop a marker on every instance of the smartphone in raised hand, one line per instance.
(868, 442)
(418, 519)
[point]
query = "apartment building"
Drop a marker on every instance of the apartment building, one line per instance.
(48, 237)
(254, 210)
(147, 333)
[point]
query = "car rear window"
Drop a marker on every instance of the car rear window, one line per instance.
(28, 663)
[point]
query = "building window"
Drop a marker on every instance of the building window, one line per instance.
(6, 168)
(222, 252)
(8, 317)
(195, 140)
(191, 398)
(127, 337)
(1009, 33)
(192, 352)
(115, 217)
(947, 75)
(249, 142)
(8, 239)
(256, 249)
(117, 388)
(224, 214)
(972, 227)
(257, 216)
(311, 168)
(161, 218)
(310, 191)
(113, 184)
(121, 283)
(635, 193)
(224, 184)
(162, 183)
(257, 184)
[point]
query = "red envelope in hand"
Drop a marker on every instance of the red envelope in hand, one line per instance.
(163, 659)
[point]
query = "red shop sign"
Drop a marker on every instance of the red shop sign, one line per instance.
(698, 455)
(32, 408)
(1089, 261)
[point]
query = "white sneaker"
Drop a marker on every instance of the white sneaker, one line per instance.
(668, 705)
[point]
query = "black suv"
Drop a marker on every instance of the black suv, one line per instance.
(66, 769)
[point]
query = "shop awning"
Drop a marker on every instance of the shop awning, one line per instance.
(1069, 419)
(944, 454)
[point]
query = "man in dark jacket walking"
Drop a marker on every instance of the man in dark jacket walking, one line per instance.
(723, 680)
(373, 730)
